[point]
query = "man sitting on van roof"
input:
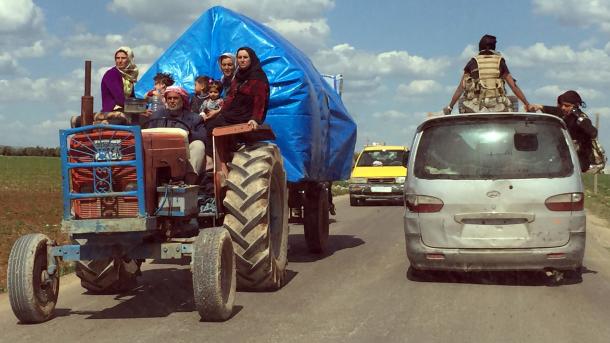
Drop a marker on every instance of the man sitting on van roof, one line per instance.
(483, 82)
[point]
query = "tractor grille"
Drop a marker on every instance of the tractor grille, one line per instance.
(103, 145)
(382, 180)
(96, 208)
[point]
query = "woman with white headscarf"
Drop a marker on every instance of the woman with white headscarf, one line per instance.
(118, 82)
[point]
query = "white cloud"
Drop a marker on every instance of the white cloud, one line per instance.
(29, 89)
(576, 12)
(468, 52)
(164, 12)
(300, 21)
(308, 36)
(348, 60)
(15, 125)
(549, 91)
(37, 49)
(539, 53)
(9, 65)
(100, 49)
(266, 9)
(19, 15)
(42, 90)
(391, 114)
(419, 87)
(603, 111)
(561, 62)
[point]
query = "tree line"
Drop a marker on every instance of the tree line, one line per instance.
(28, 151)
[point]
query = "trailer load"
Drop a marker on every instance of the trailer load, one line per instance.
(313, 129)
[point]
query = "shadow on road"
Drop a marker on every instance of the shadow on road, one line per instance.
(502, 278)
(160, 293)
(298, 251)
(371, 203)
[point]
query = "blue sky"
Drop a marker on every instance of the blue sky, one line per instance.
(400, 59)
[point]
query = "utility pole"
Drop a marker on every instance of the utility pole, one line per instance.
(595, 175)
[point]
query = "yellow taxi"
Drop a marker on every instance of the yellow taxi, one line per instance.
(379, 174)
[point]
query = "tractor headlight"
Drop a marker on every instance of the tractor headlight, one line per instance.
(400, 179)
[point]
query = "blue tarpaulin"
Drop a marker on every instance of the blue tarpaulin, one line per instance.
(314, 131)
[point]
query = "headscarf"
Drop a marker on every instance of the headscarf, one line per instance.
(130, 72)
(180, 91)
(571, 97)
(254, 71)
(232, 57)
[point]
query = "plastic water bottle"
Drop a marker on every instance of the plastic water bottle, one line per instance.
(155, 103)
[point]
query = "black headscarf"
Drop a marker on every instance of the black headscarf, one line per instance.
(254, 71)
(571, 97)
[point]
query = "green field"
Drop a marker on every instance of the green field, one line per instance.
(599, 203)
(30, 196)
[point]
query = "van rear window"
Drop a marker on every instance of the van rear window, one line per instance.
(504, 149)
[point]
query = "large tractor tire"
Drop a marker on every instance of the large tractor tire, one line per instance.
(256, 207)
(32, 291)
(109, 275)
(315, 224)
(213, 264)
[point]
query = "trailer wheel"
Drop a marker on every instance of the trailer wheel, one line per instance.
(108, 275)
(316, 218)
(32, 291)
(256, 206)
(214, 274)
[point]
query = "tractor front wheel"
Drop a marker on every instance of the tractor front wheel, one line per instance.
(32, 290)
(214, 274)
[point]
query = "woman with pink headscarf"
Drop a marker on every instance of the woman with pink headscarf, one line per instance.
(118, 82)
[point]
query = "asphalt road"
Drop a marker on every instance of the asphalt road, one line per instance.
(359, 292)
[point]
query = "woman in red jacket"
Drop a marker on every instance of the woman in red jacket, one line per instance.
(248, 97)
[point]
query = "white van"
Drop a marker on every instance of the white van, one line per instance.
(494, 191)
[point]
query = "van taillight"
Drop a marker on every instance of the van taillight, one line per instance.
(423, 203)
(566, 202)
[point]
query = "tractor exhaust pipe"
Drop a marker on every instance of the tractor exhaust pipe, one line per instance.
(86, 101)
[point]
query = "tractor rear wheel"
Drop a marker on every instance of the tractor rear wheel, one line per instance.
(32, 291)
(108, 275)
(213, 264)
(315, 224)
(256, 205)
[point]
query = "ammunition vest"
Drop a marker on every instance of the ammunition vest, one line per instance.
(489, 84)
